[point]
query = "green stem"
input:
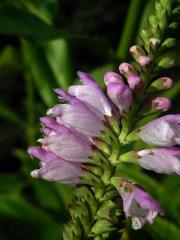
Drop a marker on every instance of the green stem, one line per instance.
(130, 28)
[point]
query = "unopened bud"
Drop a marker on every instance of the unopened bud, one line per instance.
(121, 96)
(134, 81)
(110, 77)
(161, 104)
(162, 83)
(166, 62)
(144, 61)
(173, 26)
(154, 43)
(136, 51)
(127, 69)
(169, 42)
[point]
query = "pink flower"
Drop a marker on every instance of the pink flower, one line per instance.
(161, 104)
(164, 131)
(91, 94)
(137, 204)
(133, 79)
(78, 115)
(54, 168)
(121, 95)
(160, 160)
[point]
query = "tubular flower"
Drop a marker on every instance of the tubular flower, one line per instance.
(133, 79)
(164, 131)
(55, 168)
(160, 160)
(70, 130)
(138, 204)
(121, 95)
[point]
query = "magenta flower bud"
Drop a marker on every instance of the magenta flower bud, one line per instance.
(160, 160)
(161, 104)
(167, 82)
(110, 77)
(164, 131)
(162, 83)
(136, 52)
(144, 61)
(135, 82)
(127, 69)
(121, 96)
(137, 203)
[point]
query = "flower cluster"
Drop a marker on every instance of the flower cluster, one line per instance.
(71, 127)
(69, 131)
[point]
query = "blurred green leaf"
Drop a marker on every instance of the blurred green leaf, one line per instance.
(44, 189)
(15, 207)
(59, 59)
(38, 68)
(10, 115)
(19, 22)
(164, 230)
(10, 182)
(98, 74)
(9, 56)
(44, 9)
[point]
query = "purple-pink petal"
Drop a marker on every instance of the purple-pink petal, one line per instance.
(121, 96)
(160, 160)
(164, 131)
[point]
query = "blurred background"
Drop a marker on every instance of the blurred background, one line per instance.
(42, 45)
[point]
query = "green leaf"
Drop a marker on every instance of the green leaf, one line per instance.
(16, 21)
(164, 230)
(19, 22)
(14, 207)
(10, 183)
(59, 59)
(44, 9)
(10, 115)
(38, 68)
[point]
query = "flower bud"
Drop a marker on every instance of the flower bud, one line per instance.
(136, 51)
(144, 61)
(134, 81)
(127, 69)
(162, 83)
(166, 62)
(121, 95)
(154, 43)
(169, 42)
(173, 26)
(110, 77)
(161, 104)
